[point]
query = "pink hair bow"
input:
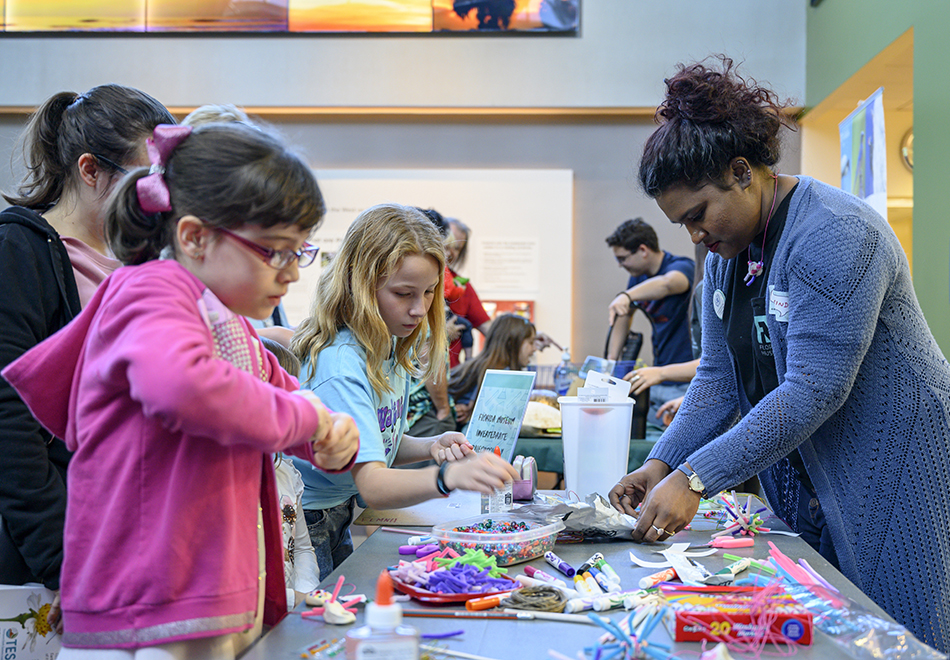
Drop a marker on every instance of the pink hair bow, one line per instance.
(152, 190)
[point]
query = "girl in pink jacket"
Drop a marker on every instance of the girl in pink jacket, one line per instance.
(172, 407)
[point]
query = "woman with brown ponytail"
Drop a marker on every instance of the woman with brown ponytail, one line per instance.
(52, 256)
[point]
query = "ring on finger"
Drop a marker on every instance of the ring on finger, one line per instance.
(660, 530)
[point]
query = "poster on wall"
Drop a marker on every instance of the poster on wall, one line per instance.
(393, 16)
(520, 247)
(864, 153)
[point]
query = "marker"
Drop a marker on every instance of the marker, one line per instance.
(605, 584)
(736, 567)
(538, 574)
(581, 586)
(656, 578)
(608, 570)
(575, 605)
(753, 563)
(559, 564)
(486, 602)
(595, 589)
(421, 540)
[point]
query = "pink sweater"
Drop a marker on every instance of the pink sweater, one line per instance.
(160, 395)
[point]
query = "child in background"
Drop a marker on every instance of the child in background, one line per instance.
(377, 308)
(301, 573)
(509, 345)
(162, 390)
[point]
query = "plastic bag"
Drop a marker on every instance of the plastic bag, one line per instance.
(858, 632)
(592, 518)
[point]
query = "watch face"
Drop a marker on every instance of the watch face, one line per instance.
(696, 484)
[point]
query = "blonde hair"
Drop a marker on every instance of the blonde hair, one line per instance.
(225, 113)
(371, 252)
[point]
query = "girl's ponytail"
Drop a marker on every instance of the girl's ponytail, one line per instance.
(134, 235)
(42, 154)
(109, 121)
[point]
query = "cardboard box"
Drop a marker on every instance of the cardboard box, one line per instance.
(24, 631)
(723, 614)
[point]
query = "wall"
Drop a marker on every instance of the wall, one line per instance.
(843, 35)
(617, 64)
(619, 60)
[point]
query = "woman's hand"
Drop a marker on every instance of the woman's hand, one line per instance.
(636, 486)
(339, 446)
(619, 306)
(482, 472)
(451, 446)
(668, 410)
(462, 412)
(667, 509)
(645, 377)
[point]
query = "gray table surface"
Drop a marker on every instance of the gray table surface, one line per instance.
(526, 640)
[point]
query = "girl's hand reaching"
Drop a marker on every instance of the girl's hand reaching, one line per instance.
(336, 440)
(323, 414)
(481, 472)
(339, 446)
(451, 446)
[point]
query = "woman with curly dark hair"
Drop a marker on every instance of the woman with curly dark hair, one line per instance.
(818, 370)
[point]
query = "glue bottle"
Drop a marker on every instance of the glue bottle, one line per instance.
(502, 499)
(383, 637)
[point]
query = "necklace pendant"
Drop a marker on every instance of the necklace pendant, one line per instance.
(755, 269)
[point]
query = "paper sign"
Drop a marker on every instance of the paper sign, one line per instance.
(499, 410)
(618, 389)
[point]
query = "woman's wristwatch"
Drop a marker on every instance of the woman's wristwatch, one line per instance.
(695, 483)
(440, 480)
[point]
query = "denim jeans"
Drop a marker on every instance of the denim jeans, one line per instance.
(330, 534)
(813, 526)
(660, 394)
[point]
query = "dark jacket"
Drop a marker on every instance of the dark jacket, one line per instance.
(38, 296)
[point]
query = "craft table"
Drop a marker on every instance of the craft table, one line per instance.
(527, 640)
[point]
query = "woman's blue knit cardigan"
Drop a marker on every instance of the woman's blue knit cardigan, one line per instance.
(864, 395)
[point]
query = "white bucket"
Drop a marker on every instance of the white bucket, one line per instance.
(596, 438)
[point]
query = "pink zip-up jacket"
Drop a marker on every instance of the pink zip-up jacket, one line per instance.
(159, 390)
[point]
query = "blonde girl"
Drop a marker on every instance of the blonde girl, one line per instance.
(378, 308)
(163, 391)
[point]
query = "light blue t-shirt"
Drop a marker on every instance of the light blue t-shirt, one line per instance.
(341, 382)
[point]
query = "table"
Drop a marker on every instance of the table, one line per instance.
(532, 639)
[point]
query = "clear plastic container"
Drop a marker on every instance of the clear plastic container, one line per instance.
(596, 439)
(507, 547)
